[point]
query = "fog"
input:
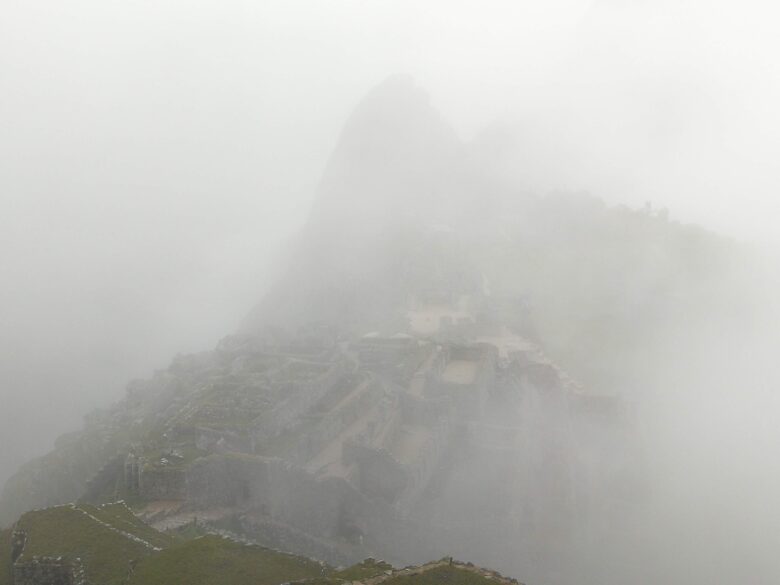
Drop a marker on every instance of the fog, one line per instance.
(157, 158)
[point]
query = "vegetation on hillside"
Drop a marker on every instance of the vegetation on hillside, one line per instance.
(116, 548)
(6, 578)
(444, 575)
(366, 569)
(108, 540)
(214, 559)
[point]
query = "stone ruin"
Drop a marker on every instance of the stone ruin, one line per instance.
(340, 446)
(43, 570)
(48, 571)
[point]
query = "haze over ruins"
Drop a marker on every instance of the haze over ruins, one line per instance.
(404, 390)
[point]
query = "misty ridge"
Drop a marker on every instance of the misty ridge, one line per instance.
(434, 357)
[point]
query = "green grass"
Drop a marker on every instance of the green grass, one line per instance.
(445, 575)
(212, 559)
(121, 517)
(110, 558)
(365, 570)
(6, 578)
(68, 532)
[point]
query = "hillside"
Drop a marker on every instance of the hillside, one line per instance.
(214, 559)
(102, 542)
(6, 574)
(108, 545)
(446, 363)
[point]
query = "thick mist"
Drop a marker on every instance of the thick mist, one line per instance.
(157, 158)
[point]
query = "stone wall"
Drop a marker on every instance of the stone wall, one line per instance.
(470, 395)
(221, 441)
(421, 470)
(328, 508)
(49, 571)
(419, 411)
(162, 484)
(379, 475)
(225, 480)
(396, 358)
(300, 397)
(332, 423)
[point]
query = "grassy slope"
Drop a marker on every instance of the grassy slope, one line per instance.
(213, 559)
(365, 570)
(444, 575)
(120, 516)
(5, 557)
(68, 532)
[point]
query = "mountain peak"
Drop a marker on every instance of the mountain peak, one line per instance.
(391, 157)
